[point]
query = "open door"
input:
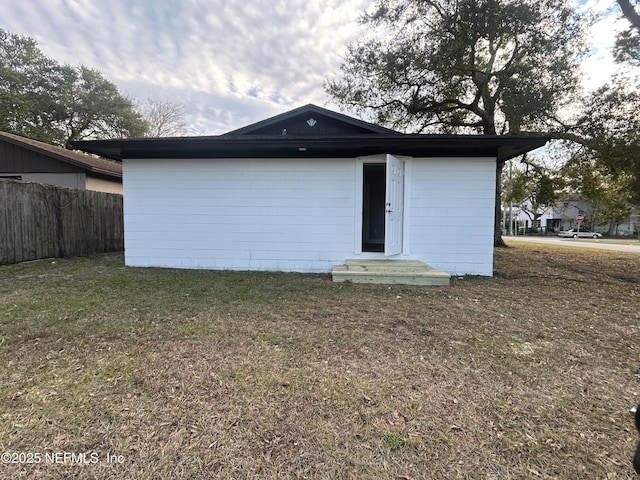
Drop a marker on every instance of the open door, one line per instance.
(394, 199)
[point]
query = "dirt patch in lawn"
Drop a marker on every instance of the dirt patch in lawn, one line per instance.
(154, 373)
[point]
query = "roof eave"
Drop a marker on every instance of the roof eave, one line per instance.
(501, 147)
(52, 152)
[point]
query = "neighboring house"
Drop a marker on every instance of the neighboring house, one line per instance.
(562, 216)
(34, 161)
(307, 190)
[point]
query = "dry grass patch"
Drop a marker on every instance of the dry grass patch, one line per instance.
(196, 374)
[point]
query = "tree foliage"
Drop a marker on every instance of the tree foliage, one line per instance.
(26, 79)
(483, 66)
(532, 187)
(490, 66)
(47, 101)
(602, 187)
(604, 161)
(608, 129)
(604, 168)
(90, 106)
(627, 45)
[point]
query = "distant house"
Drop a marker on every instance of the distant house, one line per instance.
(310, 190)
(34, 161)
(562, 216)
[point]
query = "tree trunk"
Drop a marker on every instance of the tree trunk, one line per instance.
(630, 13)
(497, 230)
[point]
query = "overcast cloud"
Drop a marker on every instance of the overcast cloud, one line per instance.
(229, 63)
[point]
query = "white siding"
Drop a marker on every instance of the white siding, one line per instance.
(245, 214)
(452, 211)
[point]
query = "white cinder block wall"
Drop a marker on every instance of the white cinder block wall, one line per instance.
(241, 214)
(299, 214)
(452, 212)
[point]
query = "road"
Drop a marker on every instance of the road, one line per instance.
(578, 243)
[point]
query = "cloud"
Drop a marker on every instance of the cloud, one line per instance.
(231, 61)
(599, 66)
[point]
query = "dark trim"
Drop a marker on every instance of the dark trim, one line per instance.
(264, 140)
(503, 147)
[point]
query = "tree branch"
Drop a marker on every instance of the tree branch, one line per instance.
(630, 13)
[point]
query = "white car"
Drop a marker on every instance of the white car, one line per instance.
(574, 233)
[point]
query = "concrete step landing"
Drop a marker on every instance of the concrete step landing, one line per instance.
(402, 272)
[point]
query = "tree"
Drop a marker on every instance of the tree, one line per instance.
(90, 106)
(533, 188)
(630, 13)
(483, 66)
(54, 103)
(600, 186)
(27, 77)
(163, 118)
(604, 167)
(627, 46)
(604, 164)
(608, 127)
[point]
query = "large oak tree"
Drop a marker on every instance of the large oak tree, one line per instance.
(495, 67)
(54, 103)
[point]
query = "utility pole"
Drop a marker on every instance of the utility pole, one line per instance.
(510, 205)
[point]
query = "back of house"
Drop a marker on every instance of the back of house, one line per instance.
(308, 190)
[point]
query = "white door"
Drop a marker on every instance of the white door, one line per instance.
(394, 206)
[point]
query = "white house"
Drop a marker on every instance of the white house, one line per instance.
(562, 216)
(308, 190)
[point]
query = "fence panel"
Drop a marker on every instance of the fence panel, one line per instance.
(44, 221)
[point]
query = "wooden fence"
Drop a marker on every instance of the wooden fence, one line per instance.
(43, 221)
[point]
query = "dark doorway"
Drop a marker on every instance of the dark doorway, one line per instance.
(373, 198)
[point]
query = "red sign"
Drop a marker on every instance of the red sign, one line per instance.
(579, 217)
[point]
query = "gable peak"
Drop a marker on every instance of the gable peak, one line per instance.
(310, 121)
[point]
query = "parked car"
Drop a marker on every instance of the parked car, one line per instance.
(574, 233)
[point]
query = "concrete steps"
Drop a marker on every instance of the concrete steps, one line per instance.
(404, 272)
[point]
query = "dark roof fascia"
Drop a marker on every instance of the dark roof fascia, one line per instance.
(109, 176)
(503, 147)
(310, 108)
(77, 159)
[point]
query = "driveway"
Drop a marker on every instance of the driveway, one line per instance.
(622, 246)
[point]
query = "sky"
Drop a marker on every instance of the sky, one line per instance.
(230, 63)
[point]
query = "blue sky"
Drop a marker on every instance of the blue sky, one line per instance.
(230, 63)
